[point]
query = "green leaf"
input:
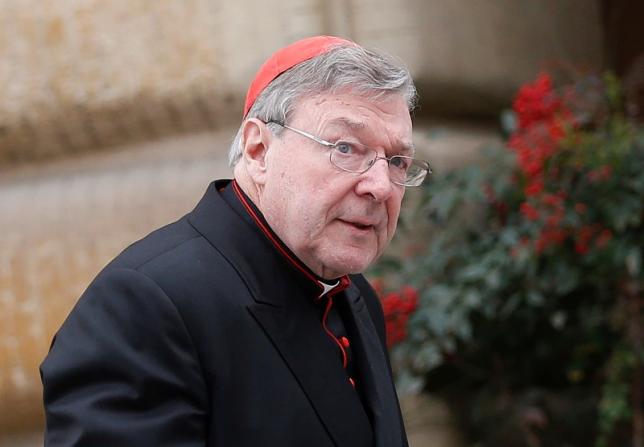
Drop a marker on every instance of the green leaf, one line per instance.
(474, 272)
(510, 305)
(633, 261)
(535, 298)
(493, 279)
(472, 298)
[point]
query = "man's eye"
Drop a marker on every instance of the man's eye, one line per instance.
(400, 162)
(344, 148)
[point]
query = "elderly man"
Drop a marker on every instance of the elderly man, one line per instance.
(247, 322)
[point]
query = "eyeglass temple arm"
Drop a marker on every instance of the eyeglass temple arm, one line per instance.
(306, 134)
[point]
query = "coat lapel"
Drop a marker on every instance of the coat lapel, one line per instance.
(375, 375)
(297, 335)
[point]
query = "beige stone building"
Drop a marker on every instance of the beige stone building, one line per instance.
(82, 74)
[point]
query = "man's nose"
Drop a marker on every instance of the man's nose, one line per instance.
(376, 181)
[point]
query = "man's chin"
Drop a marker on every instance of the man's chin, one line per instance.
(348, 264)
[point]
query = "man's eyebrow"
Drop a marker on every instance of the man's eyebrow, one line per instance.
(406, 148)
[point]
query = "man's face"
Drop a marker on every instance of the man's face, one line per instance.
(336, 222)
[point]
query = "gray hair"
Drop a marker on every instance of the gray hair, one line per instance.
(342, 67)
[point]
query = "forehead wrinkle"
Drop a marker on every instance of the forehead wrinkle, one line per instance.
(347, 122)
(402, 146)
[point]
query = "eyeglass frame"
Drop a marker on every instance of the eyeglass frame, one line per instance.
(423, 164)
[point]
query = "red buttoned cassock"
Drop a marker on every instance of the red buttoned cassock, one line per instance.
(207, 333)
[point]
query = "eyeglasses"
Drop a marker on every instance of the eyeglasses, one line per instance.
(358, 158)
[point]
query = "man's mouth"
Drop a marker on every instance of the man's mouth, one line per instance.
(359, 225)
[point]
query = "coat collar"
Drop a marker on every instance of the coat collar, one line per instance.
(235, 227)
(323, 286)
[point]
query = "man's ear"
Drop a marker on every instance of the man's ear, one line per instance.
(256, 139)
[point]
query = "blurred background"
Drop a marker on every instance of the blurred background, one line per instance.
(115, 115)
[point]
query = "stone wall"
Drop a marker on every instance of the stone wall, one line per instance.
(84, 74)
(80, 74)
(61, 224)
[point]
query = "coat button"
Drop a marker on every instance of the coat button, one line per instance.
(345, 342)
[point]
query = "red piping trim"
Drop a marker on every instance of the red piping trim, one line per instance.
(344, 281)
(270, 236)
(330, 334)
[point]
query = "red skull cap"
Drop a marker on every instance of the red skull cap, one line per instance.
(286, 58)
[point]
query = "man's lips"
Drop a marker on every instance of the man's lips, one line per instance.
(359, 224)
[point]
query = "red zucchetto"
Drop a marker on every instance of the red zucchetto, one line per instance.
(286, 58)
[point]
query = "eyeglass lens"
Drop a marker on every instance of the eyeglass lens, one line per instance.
(357, 158)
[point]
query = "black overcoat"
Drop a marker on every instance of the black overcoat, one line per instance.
(204, 334)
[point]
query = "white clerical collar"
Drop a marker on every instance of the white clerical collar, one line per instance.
(327, 287)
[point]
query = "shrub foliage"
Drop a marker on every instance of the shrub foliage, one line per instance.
(530, 310)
